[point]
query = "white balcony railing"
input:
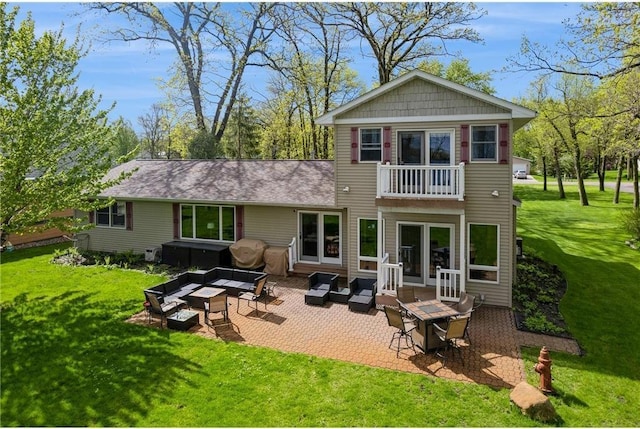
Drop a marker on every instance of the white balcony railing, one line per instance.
(421, 181)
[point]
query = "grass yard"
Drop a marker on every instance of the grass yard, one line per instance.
(69, 359)
(600, 307)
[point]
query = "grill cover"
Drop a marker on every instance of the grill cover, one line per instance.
(248, 253)
(276, 260)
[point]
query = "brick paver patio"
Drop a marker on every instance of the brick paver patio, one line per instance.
(332, 331)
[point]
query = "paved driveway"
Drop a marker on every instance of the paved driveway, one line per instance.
(332, 331)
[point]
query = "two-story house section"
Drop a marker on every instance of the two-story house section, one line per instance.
(420, 193)
(423, 173)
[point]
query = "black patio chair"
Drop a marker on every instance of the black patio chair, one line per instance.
(395, 319)
(164, 309)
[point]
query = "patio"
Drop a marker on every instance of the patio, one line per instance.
(334, 332)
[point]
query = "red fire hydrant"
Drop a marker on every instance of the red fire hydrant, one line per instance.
(543, 367)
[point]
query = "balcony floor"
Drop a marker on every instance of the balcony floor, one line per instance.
(334, 332)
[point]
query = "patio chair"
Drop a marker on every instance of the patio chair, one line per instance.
(253, 296)
(216, 304)
(405, 295)
(456, 327)
(466, 307)
(364, 292)
(163, 309)
(394, 318)
(320, 284)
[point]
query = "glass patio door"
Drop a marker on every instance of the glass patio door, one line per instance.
(321, 237)
(410, 252)
(441, 252)
(422, 247)
(440, 156)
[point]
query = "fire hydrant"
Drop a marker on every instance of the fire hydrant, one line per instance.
(543, 367)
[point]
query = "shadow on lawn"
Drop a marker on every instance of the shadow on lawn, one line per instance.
(67, 361)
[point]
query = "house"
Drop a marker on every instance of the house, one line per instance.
(520, 163)
(420, 192)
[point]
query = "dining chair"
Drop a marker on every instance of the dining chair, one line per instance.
(454, 331)
(404, 328)
(216, 304)
(466, 308)
(253, 296)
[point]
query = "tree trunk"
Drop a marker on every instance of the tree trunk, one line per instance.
(636, 189)
(577, 166)
(556, 160)
(544, 173)
(616, 194)
(601, 169)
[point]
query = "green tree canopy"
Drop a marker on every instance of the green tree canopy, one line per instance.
(54, 141)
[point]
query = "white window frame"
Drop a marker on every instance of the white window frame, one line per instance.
(489, 268)
(111, 224)
(472, 143)
(220, 229)
(362, 258)
(360, 145)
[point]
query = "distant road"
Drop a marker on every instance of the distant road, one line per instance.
(624, 186)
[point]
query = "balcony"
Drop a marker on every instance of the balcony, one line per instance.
(421, 181)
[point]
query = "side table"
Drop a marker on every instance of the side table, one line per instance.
(183, 320)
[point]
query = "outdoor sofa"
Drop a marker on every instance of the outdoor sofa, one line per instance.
(232, 280)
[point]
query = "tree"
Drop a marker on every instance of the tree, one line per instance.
(239, 36)
(127, 143)
(154, 132)
(400, 34)
(54, 141)
(242, 137)
(314, 67)
(605, 43)
(458, 71)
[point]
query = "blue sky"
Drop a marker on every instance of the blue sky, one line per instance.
(128, 73)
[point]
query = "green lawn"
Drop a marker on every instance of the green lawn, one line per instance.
(69, 359)
(602, 388)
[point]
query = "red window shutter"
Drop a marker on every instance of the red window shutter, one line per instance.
(464, 143)
(503, 136)
(354, 145)
(92, 216)
(129, 215)
(386, 148)
(239, 222)
(176, 220)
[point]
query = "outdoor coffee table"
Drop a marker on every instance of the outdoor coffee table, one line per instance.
(427, 312)
(183, 320)
(198, 298)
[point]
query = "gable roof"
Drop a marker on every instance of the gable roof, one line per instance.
(259, 182)
(519, 114)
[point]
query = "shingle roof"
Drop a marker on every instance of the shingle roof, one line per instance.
(281, 182)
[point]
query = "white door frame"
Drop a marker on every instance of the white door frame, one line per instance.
(426, 247)
(322, 259)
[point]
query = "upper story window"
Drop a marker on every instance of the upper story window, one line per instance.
(207, 222)
(370, 144)
(484, 142)
(112, 216)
